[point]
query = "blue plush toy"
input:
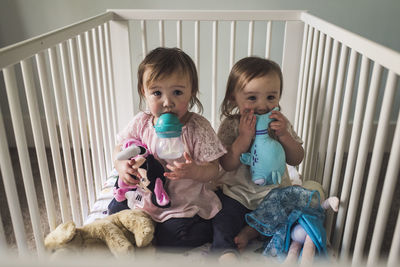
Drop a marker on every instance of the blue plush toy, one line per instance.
(266, 158)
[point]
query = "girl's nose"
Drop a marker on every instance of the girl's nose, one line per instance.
(168, 103)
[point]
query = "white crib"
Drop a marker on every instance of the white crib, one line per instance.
(66, 93)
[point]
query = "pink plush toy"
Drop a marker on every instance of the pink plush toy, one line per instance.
(150, 171)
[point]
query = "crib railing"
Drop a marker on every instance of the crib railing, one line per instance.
(348, 104)
(79, 83)
(71, 68)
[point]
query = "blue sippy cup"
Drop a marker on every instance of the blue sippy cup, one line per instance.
(169, 130)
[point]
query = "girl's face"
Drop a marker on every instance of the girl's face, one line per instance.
(261, 94)
(169, 94)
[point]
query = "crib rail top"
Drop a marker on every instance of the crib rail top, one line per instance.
(10, 55)
(385, 56)
(207, 15)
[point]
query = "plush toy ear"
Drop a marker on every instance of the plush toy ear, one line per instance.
(61, 235)
(155, 171)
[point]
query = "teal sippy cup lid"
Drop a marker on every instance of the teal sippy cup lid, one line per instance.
(168, 126)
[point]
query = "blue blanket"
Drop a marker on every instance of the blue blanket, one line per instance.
(281, 209)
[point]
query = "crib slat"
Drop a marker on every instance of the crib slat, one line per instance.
(232, 44)
(360, 167)
(33, 107)
(250, 39)
(144, 38)
(376, 162)
(303, 90)
(340, 149)
(179, 34)
(304, 80)
(327, 115)
(11, 192)
(76, 144)
(316, 160)
(300, 87)
(55, 73)
(310, 137)
(310, 92)
(96, 98)
(197, 45)
(386, 197)
(268, 39)
(394, 258)
(333, 127)
(88, 191)
(23, 154)
(110, 75)
(354, 142)
(122, 71)
(214, 75)
(291, 60)
(86, 79)
(82, 121)
(106, 101)
(161, 33)
(99, 96)
(54, 145)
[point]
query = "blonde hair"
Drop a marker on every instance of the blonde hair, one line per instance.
(241, 74)
(163, 62)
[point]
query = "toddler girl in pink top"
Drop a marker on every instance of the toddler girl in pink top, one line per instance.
(167, 81)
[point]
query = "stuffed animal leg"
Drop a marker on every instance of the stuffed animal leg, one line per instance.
(118, 232)
(139, 224)
(111, 235)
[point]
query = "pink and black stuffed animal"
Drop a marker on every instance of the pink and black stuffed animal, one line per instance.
(151, 177)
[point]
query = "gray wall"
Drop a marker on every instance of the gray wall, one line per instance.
(375, 20)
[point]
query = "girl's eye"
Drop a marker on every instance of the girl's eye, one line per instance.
(271, 97)
(156, 93)
(178, 92)
(252, 98)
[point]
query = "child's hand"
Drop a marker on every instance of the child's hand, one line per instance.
(178, 170)
(125, 171)
(247, 128)
(280, 125)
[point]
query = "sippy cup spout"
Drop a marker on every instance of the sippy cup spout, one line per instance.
(169, 129)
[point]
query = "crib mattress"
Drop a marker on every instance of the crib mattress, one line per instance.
(199, 254)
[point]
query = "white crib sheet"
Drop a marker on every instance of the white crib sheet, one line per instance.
(100, 208)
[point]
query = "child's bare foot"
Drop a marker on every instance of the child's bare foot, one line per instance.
(244, 236)
(241, 241)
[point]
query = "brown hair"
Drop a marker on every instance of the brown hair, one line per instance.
(241, 74)
(165, 61)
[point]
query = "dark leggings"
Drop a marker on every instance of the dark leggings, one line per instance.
(183, 232)
(227, 224)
